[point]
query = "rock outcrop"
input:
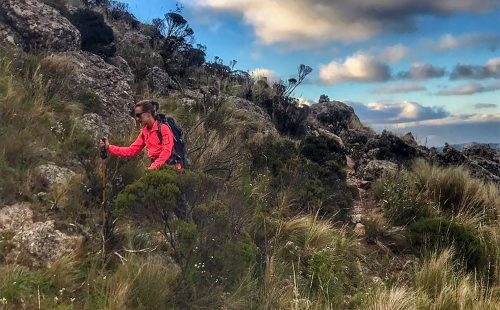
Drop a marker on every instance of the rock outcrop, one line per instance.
(334, 116)
(34, 244)
(159, 81)
(37, 26)
(480, 159)
(110, 83)
(253, 112)
(375, 168)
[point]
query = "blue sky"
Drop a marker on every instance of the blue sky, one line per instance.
(432, 67)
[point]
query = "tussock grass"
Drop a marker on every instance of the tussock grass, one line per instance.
(141, 283)
(35, 115)
(437, 284)
(456, 191)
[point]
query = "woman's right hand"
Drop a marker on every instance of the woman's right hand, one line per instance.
(104, 143)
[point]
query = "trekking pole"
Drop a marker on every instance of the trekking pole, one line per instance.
(103, 154)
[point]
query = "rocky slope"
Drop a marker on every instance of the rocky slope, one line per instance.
(33, 26)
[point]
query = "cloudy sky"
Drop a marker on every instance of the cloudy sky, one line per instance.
(426, 66)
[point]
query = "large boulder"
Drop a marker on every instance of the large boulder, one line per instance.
(252, 111)
(481, 160)
(334, 116)
(388, 146)
(93, 124)
(123, 65)
(92, 74)
(38, 26)
(50, 174)
(34, 244)
(8, 37)
(159, 81)
(375, 168)
(14, 217)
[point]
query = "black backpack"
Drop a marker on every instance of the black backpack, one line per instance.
(179, 150)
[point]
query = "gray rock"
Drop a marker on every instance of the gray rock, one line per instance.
(15, 217)
(39, 26)
(334, 116)
(375, 168)
(34, 244)
(40, 244)
(122, 64)
(51, 174)
(8, 37)
(409, 139)
(93, 124)
(254, 112)
(109, 83)
(159, 81)
(327, 134)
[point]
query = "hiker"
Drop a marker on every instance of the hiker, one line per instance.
(160, 151)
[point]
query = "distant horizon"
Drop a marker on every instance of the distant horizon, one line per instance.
(431, 68)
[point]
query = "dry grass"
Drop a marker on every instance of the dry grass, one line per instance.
(141, 283)
(456, 191)
(437, 285)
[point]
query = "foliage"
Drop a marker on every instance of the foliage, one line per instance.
(119, 11)
(402, 204)
(313, 187)
(436, 284)
(439, 233)
(142, 283)
(456, 191)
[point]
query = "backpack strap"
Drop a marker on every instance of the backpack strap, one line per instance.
(160, 137)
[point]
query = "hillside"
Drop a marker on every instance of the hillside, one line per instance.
(283, 206)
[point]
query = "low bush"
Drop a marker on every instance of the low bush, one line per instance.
(403, 204)
(431, 234)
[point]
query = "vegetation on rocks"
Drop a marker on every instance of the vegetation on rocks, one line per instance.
(259, 220)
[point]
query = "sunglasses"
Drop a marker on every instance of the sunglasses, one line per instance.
(137, 115)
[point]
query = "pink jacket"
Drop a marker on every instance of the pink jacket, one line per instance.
(160, 153)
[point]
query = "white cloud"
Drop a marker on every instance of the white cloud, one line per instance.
(358, 67)
(394, 53)
(469, 89)
(303, 102)
(303, 22)
(422, 71)
(261, 73)
(490, 70)
(457, 119)
(485, 105)
(449, 41)
(482, 128)
(391, 113)
(399, 88)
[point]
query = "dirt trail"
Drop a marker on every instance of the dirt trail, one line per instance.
(384, 252)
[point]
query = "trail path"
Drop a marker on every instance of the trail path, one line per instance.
(384, 253)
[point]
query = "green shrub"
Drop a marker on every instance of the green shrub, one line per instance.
(321, 149)
(326, 271)
(403, 204)
(438, 233)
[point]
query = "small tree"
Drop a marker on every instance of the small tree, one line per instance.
(286, 113)
(165, 199)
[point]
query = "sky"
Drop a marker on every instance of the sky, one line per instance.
(425, 66)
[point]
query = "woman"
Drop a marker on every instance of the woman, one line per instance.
(159, 152)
